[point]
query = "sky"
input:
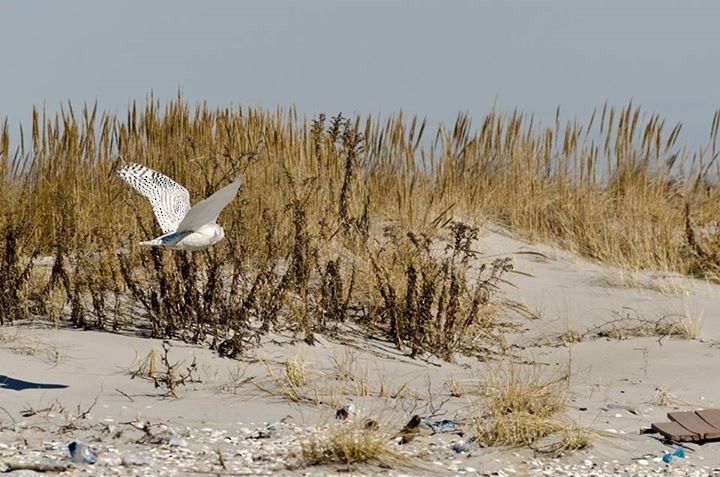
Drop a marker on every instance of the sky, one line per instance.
(431, 58)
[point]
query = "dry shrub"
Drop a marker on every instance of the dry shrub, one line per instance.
(684, 324)
(349, 444)
(702, 249)
(14, 275)
(522, 407)
(427, 302)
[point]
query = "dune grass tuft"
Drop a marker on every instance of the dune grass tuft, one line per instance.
(523, 407)
(349, 445)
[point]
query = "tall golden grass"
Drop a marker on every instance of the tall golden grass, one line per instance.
(319, 191)
(614, 188)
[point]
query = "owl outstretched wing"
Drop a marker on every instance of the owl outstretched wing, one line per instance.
(170, 201)
(207, 211)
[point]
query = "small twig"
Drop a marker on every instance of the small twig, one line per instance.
(9, 415)
(126, 395)
(85, 414)
(221, 458)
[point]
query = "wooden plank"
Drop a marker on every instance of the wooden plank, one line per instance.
(675, 432)
(711, 416)
(693, 422)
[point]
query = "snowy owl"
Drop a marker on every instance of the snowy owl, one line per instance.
(184, 227)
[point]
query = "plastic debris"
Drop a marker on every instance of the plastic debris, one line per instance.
(461, 446)
(345, 412)
(81, 454)
(446, 425)
(679, 453)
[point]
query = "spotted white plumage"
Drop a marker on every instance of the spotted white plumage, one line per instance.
(170, 201)
(184, 227)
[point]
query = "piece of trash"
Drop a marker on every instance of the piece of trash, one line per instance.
(408, 433)
(690, 426)
(461, 446)
(679, 452)
(667, 458)
(446, 425)
(270, 430)
(345, 412)
(81, 454)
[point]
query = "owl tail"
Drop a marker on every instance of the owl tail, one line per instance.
(153, 243)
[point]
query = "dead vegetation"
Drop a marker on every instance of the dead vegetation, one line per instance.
(682, 323)
(522, 407)
(166, 375)
(428, 303)
(298, 256)
(340, 219)
(294, 379)
(349, 445)
(664, 397)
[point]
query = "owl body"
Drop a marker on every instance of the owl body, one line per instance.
(204, 237)
(184, 227)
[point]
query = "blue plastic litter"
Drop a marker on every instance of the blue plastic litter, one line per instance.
(679, 453)
(446, 425)
(81, 454)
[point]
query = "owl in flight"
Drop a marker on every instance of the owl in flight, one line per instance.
(184, 227)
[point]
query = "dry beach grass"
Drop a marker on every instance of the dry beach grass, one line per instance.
(337, 217)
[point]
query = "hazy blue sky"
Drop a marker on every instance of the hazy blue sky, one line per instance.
(434, 58)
